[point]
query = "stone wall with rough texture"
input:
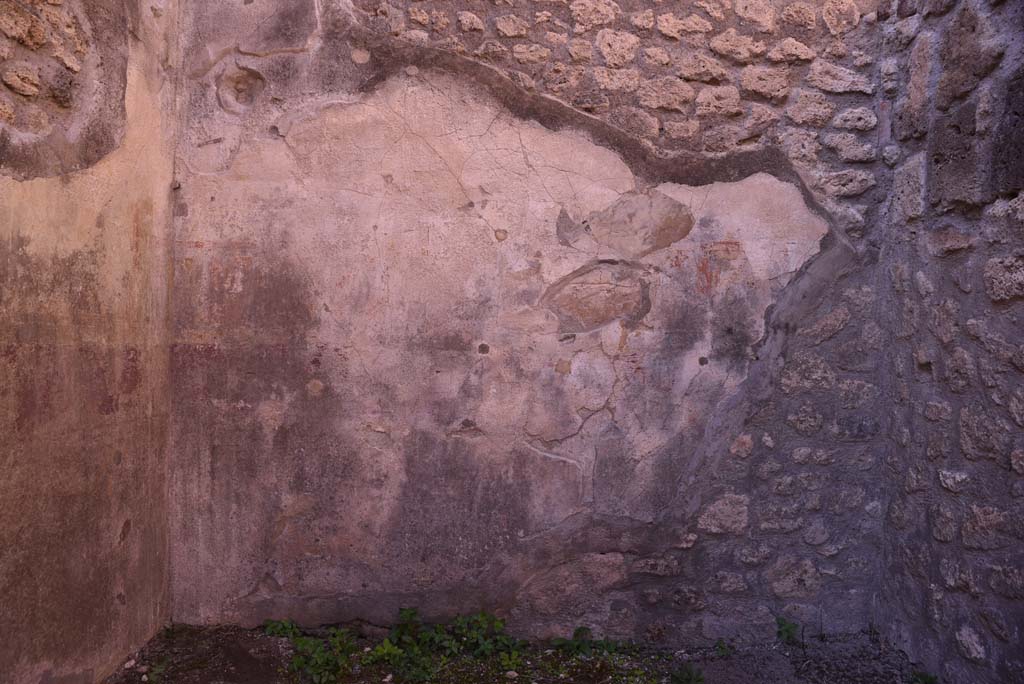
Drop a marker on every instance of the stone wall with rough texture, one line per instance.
(83, 390)
(662, 318)
(952, 268)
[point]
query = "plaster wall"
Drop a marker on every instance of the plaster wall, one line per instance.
(84, 401)
(663, 320)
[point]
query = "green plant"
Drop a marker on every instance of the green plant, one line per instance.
(384, 653)
(920, 677)
(482, 635)
(724, 649)
(687, 674)
(322, 661)
(582, 643)
(510, 660)
(787, 632)
(281, 628)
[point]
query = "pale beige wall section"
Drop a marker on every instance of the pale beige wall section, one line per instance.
(83, 398)
(418, 339)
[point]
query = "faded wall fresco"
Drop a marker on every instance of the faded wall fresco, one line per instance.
(453, 333)
(83, 374)
(662, 319)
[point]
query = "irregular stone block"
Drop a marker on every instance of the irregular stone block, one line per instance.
(666, 93)
(856, 118)
(847, 183)
(910, 117)
(671, 26)
(719, 101)
(589, 14)
(617, 47)
(1004, 278)
(959, 173)
(759, 13)
(791, 50)
(810, 108)
(768, 82)
(792, 577)
(849, 148)
(737, 47)
(801, 15)
(696, 66)
(1007, 140)
(969, 52)
(833, 78)
(727, 515)
(908, 194)
(840, 16)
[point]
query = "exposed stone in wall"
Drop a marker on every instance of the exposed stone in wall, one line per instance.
(955, 231)
(62, 80)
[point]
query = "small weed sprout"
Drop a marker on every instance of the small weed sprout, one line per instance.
(787, 632)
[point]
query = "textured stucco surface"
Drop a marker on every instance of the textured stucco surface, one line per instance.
(661, 319)
(83, 393)
(453, 332)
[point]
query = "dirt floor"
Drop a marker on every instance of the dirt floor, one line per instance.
(189, 655)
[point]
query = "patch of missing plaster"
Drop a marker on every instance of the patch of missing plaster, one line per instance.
(641, 223)
(598, 294)
(238, 89)
(62, 82)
